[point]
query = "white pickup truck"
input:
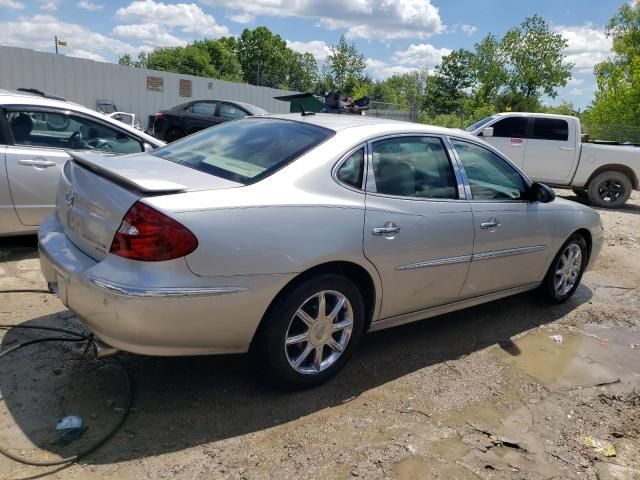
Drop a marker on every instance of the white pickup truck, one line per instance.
(549, 148)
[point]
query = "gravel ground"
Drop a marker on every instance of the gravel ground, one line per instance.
(483, 393)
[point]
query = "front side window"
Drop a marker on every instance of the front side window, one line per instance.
(413, 167)
(550, 129)
(511, 127)
(247, 150)
(352, 169)
(54, 129)
(490, 177)
(204, 108)
(231, 112)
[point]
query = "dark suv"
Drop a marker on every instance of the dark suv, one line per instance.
(185, 119)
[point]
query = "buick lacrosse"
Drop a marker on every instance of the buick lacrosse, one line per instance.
(293, 235)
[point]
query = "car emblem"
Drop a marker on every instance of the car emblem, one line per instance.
(69, 197)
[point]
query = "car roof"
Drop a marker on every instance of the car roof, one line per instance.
(338, 122)
(533, 114)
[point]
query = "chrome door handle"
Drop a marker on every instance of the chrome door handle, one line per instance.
(37, 163)
(566, 149)
(388, 229)
(491, 223)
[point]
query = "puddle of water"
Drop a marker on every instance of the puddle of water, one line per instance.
(596, 355)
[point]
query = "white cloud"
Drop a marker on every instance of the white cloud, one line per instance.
(468, 29)
(86, 5)
(12, 4)
(415, 57)
(588, 45)
(421, 55)
(150, 34)
(37, 32)
(189, 17)
(49, 5)
(369, 19)
(81, 53)
(319, 49)
(574, 82)
(242, 18)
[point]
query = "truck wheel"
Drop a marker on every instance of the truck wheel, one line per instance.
(609, 189)
(580, 192)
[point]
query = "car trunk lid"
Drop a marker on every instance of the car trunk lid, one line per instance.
(96, 191)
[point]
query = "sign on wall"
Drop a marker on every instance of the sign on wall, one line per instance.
(155, 84)
(185, 88)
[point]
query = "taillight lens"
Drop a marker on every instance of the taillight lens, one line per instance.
(158, 115)
(150, 236)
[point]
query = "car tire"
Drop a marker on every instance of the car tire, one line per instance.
(173, 134)
(566, 270)
(609, 189)
(580, 192)
(292, 361)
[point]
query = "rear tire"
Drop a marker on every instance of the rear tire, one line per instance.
(566, 270)
(609, 189)
(173, 134)
(302, 347)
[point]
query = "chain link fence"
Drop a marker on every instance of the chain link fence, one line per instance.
(613, 133)
(393, 111)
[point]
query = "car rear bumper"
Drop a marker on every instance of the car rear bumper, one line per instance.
(190, 316)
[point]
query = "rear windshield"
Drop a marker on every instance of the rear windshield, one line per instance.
(245, 151)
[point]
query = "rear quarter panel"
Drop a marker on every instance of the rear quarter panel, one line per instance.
(594, 157)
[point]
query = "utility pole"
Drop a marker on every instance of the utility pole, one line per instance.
(56, 40)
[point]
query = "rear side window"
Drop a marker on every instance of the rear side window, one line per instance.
(511, 127)
(352, 170)
(247, 150)
(231, 112)
(550, 129)
(204, 108)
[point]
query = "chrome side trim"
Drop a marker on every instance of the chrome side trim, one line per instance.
(435, 263)
(165, 291)
(508, 252)
(449, 307)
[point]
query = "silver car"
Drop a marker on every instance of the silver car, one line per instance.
(36, 130)
(293, 235)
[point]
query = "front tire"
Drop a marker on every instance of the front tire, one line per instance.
(609, 189)
(311, 332)
(566, 270)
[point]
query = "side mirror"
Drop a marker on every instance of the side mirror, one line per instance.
(539, 192)
(487, 132)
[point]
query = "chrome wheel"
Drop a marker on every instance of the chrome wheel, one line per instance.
(319, 332)
(568, 269)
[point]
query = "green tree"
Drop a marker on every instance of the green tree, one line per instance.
(264, 57)
(222, 58)
(189, 60)
(345, 66)
(303, 72)
(534, 58)
(128, 61)
(488, 69)
(617, 98)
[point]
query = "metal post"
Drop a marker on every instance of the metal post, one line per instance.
(56, 40)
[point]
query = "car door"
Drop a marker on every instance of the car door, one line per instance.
(510, 137)
(418, 226)
(513, 236)
(36, 153)
(551, 151)
(201, 115)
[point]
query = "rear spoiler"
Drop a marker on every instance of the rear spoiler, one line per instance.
(99, 164)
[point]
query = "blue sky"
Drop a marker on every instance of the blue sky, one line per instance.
(394, 35)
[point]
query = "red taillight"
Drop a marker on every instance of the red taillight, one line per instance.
(158, 115)
(150, 236)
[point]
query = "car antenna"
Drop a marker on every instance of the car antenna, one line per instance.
(304, 113)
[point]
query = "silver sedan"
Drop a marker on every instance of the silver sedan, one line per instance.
(293, 235)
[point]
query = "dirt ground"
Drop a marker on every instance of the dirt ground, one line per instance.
(502, 390)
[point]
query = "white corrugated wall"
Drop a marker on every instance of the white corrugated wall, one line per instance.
(85, 81)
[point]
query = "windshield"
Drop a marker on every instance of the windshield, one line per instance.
(479, 123)
(245, 151)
